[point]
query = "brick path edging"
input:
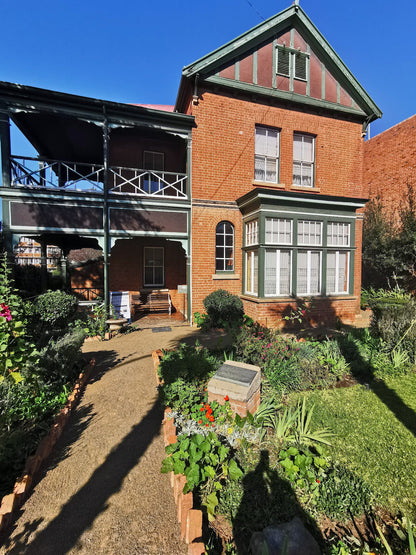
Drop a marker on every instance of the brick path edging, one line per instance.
(189, 518)
(13, 501)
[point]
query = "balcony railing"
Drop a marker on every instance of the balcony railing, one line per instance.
(86, 178)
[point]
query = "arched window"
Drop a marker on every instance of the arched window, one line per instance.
(224, 247)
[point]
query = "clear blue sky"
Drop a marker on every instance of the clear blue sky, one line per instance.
(133, 51)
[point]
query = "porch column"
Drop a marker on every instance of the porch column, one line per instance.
(106, 230)
(64, 270)
(6, 177)
(189, 250)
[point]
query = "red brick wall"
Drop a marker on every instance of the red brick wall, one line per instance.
(223, 170)
(390, 163)
(126, 266)
(223, 148)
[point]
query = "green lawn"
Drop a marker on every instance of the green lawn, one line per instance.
(375, 436)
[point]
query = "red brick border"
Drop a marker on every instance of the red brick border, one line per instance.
(13, 501)
(189, 518)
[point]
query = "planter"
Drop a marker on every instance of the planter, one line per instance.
(116, 324)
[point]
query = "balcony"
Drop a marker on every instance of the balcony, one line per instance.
(56, 175)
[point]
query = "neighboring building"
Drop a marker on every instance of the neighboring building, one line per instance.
(28, 252)
(252, 184)
(390, 163)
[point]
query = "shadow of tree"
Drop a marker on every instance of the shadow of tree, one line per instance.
(364, 373)
(78, 514)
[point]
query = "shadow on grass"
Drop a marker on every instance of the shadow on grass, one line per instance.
(79, 512)
(364, 373)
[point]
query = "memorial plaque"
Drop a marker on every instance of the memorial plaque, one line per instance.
(235, 374)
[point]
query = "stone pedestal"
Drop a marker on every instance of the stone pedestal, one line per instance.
(239, 382)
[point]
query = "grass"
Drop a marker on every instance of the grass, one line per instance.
(371, 440)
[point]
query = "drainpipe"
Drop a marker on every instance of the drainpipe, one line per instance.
(106, 230)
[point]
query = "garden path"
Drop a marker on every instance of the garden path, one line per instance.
(102, 491)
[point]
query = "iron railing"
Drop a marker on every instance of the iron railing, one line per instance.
(86, 178)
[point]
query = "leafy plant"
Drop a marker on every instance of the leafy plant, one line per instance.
(343, 494)
(224, 309)
(205, 462)
(187, 362)
(202, 321)
(15, 349)
(303, 467)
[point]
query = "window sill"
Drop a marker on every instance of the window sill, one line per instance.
(268, 184)
(304, 188)
(287, 300)
(231, 275)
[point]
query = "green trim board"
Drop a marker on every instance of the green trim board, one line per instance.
(291, 17)
(284, 96)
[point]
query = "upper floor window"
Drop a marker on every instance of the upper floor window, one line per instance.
(291, 62)
(266, 165)
(224, 247)
(279, 230)
(303, 159)
(309, 232)
(252, 233)
(338, 234)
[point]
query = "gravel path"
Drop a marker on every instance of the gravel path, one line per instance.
(102, 491)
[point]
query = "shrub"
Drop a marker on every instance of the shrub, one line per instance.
(188, 363)
(342, 494)
(50, 315)
(224, 309)
(60, 360)
(394, 321)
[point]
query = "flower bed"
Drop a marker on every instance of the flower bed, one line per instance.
(283, 464)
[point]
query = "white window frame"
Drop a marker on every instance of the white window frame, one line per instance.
(278, 221)
(252, 255)
(344, 226)
(304, 163)
(277, 292)
(306, 243)
(266, 157)
(224, 258)
(347, 281)
(252, 233)
(146, 284)
(308, 291)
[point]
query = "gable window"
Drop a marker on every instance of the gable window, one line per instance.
(224, 247)
(154, 270)
(266, 164)
(303, 159)
(292, 63)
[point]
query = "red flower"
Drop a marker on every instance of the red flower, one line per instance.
(206, 424)
(303, 312)
(199, 421)
(226, 398)
(213, 425)
(202, 409)
(5, 312)
(317, 481)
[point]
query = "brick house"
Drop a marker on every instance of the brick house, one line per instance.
(252, 184)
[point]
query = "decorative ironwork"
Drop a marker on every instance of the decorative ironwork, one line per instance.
(152, 183)
(88, 293)
(56, 174)
(73, 176)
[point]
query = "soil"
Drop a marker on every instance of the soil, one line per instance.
(102, 490)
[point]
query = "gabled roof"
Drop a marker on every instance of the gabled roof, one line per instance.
(207, 66)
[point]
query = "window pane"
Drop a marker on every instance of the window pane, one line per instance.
(297, 174)
(297, 147)
(300, 66)
(306, 175)
(307, 148)
(219, 239)
(219, 265)
(270, 287)
(330, 272)
(148, 276)
(272, 143)
(271, 170)
(302, 273)
(284, 273)
(315, 271)
(260, 169)
(255, 273)
(283, 57)
(261, 140)
(343, 272)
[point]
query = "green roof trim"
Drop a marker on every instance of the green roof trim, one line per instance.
(292, 16)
